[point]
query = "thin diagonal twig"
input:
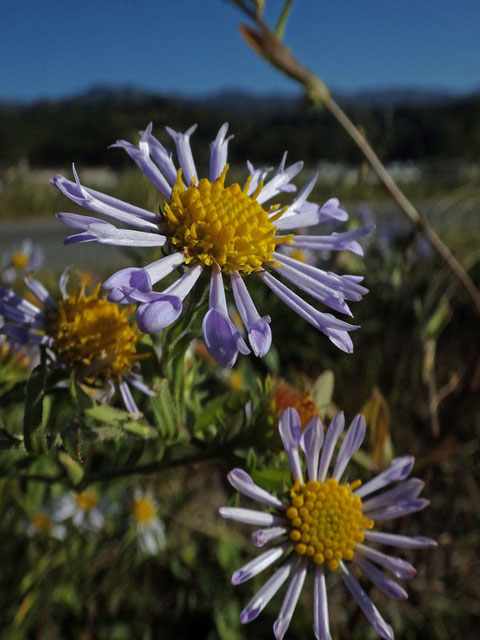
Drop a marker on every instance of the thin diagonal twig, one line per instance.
(264, 42)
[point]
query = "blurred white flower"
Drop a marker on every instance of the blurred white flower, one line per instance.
(150, 529)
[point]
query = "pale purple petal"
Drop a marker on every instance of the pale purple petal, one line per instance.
(127, 397)
(290, 430)
(78, 238)
(399, 567)
(311, 443)
(290, 600)
(334, 242)
(350, 445)
(335, 329)
(183, 285)
(249, 516)
(407, 490)
(256, 176)
(258, 329)
(317, 290)
(161, 309)
(219, 152)
(155, 316)
(331, 211)
(77, 220)
(109, 234)
(109, 393)
(280, 181)
(258, 564)
(321, 627)
(141, 156)
(102, 203)
(262, 536)
(399, 469)
(161, 268)
(367, 606)
(333, 433)
(379, 579)
(15, 315)
(23, 336)
(402, 542)
(302, 213)
(138, 384)
(163, 158)
(16, 301)
(40, 292)
(131, 278)
(291, 214)
(184, 152)
(398, 510)
(243, 483)
(266, 593)
(344, 285)
(221, 337)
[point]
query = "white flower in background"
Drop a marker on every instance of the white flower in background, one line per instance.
(46, 523)
(83, 508)
(150, 529)
(22, 259)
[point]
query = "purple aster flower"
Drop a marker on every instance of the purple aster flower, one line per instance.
(86, 334)
(231, 230)
(324, 523)
(25, 258)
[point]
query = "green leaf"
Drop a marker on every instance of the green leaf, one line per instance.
(71, 467)
(166, 412)
(220, 410)
(273, 479)
(119, 422)
(37, 411)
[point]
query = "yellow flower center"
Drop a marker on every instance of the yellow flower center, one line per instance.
(326, 520)
(143, 510)
(86, 500)
(42, 523)
(223, 226)
(19, 260)
(94, 336)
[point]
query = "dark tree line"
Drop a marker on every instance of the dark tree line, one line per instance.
(55, 133)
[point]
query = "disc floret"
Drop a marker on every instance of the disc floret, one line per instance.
(143, 510)
(326, 521)
(86, 500)
(223, 226)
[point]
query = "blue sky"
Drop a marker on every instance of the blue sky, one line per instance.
(52, 48)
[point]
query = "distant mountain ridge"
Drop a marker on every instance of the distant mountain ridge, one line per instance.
(404, 124)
